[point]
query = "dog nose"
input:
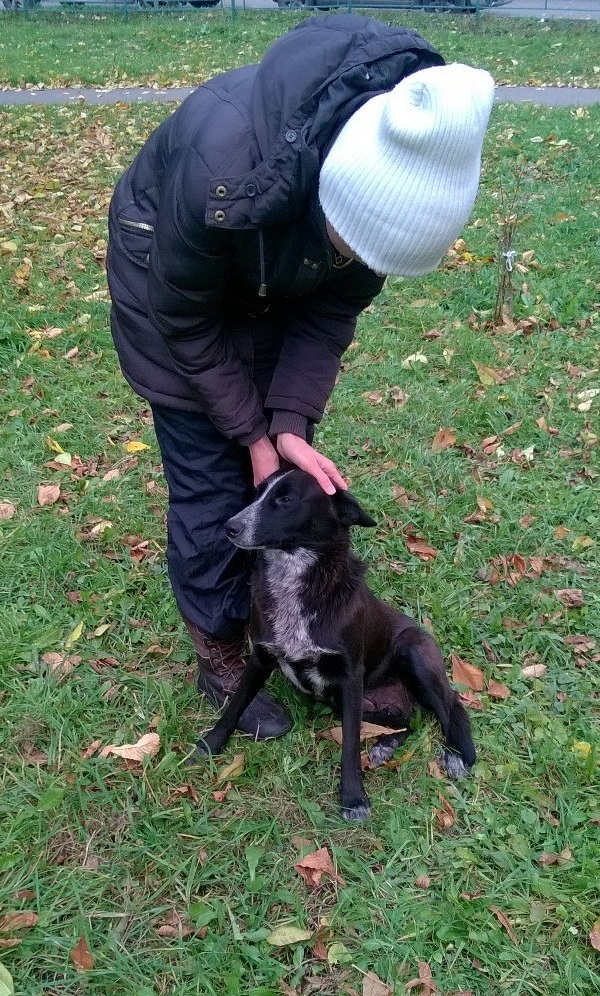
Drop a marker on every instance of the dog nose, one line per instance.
(233, 528)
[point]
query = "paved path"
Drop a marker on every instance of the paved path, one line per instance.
(551, 96)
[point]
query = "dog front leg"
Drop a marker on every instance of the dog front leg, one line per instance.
(260, 665)
(355, 804)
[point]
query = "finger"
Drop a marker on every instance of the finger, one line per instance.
(320, 476)
(333, 474)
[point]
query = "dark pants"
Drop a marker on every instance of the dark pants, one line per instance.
(210, 479)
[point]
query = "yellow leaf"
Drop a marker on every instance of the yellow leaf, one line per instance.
(135, 446)
(64, 458)
(582, 748)
(487, 375)
(74, 635)
(9, 247)
(232, 770)
(53, 445)
(368, 731)
(582, 542)
(414, 358)
(284, 935)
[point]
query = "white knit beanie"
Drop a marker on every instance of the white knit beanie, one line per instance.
(400, 179)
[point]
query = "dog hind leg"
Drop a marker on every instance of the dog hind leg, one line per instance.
(422, 669)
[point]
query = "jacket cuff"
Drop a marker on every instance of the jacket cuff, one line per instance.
(284, 421)
(247, 438)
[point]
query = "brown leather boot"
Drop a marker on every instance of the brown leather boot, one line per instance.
(220, 667)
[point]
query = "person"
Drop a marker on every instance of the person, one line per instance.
(253, 227)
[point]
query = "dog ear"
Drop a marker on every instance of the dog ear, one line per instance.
(349, 512)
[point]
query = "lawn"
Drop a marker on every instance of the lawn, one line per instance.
(476, 449)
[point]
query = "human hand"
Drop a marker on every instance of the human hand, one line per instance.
(296, 450)
(264, 459)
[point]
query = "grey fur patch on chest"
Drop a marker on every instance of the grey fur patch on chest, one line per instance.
(292, 642)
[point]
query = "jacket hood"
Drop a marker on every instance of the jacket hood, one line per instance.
(305, 88)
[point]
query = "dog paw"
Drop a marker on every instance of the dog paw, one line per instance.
(357, 812)
(199, 754)
(453, 765)
(380, 753)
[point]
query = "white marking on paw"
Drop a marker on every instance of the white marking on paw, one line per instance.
(453, 765)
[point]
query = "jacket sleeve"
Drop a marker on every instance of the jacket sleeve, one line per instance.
(188, 268)
(322, 327)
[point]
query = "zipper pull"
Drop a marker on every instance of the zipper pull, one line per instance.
(262, 290)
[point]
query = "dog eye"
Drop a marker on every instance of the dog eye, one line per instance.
(283, 500)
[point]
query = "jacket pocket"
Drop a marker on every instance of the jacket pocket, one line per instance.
(135, 238)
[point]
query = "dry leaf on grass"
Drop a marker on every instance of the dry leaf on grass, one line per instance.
(425, 980)
(497, 691)
(17, 921)
(232, 770)
(373, 986)
(467, 674)
(420, 548)
(534, 670)
(313, 866)
(221, 794)
(552, 858)
(573, 598)
(595, 936)
(7, 510)
(48, 494)
(368, 731)
(446, 815)
(286, 934)
(442, 440)
(422, 881)
(505, 923)
(82, 957)
(147, 746)
(175, 925)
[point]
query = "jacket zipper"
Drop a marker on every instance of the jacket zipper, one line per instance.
(136, 225)
(262, 290)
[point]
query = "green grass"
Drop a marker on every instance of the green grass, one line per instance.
(107, 853)
(58, 49)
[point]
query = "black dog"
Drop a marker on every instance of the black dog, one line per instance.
(314, 617)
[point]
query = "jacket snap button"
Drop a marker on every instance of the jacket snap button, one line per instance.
(290, 136)
(221, 191)
(250, 190)
(219, 216)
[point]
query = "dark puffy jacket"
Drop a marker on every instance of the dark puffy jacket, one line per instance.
(217, 222)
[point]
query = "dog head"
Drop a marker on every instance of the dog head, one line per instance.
(291, 510)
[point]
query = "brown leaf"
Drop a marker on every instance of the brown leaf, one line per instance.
(313, 866)
(88, 752)
(505, 923)
(7, 510)
(497, 691)
(548, 858)
(442, 440)
(595, 936)
(24, 894)
(17, 921)
(573, 598)
(147, 746)
(373, 986)
(319, 950)
(467, 674)
(425, 980)
(32, 755)
(175, 925)
(222, 794)
(470, 700)
(526, 521)
(446, 815)
(418, 546)
(367, 732)
(48, 494)
(82, 957)
(422, 881)
(10, 942)
(561, 532)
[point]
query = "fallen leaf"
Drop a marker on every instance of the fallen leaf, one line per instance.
(17, 921)
(442, 440)
(135, 446)
(373, 986)
(285, 934)
(470, 700)
(595, 936)
(446, 815)
(7, 987)
(582, 747)
(412, 359)
(418, 546)
(425, 980)
(497, 691)
(74, 636)
(573, 598)
(505, 923)
(422, 881)
(48, 494)
(232, 770)
(313, 866)
(582, 543)
(89, 752)
(82, 957)
(175, 925)
(467, 674)
(487, 375)
(7, 510)
(526, 521)
(7, 942)
(221, 794)
(147, 746)
(367, 732)
(534, 671)
(338, 953)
